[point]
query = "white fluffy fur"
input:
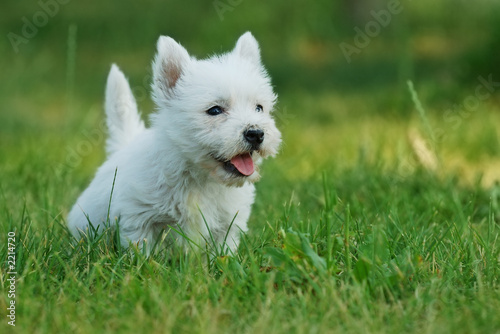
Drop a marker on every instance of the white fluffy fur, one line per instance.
(123, 119)
(171, 174)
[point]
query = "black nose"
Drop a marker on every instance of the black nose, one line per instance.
(254, 137)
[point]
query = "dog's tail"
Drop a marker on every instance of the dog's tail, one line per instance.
(123, 119)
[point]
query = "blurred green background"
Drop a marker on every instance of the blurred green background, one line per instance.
(332, 110)
(419, 183)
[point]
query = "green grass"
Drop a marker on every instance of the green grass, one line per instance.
(360, 247)
(368, 252)
(350, 232)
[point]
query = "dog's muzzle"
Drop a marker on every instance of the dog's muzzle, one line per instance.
(254, 137)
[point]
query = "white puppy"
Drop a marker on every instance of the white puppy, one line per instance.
(194, 168)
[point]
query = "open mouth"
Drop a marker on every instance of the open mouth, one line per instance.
(239, 165)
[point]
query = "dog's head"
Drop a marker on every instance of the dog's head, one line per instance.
(216, 111)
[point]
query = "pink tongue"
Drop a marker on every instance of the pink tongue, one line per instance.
(244, 164)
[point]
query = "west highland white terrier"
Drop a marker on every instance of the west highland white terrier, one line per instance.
(193, 169)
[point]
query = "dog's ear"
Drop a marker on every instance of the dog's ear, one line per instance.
(168, 66)
(248, 48)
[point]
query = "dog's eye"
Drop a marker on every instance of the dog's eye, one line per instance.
(215, 110)
(259, 108)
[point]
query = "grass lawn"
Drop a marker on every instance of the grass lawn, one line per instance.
(358, 246)
(380, 215)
